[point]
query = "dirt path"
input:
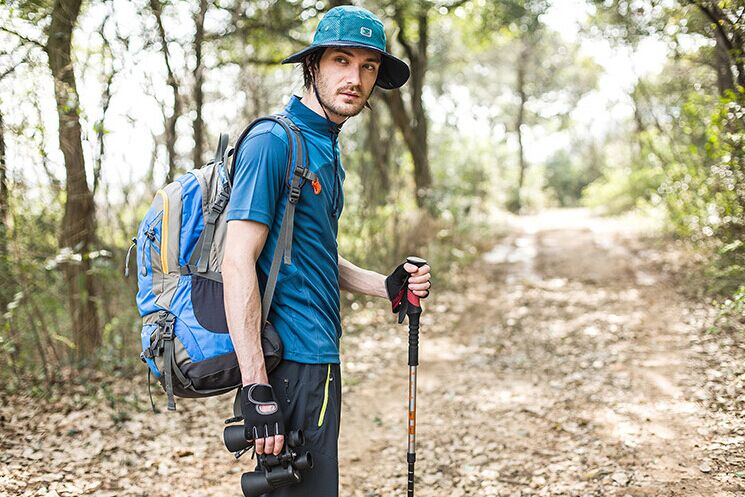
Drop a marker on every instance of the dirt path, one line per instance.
(564, 368)
(568, 365)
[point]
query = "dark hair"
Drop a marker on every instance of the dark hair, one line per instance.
(310, 66)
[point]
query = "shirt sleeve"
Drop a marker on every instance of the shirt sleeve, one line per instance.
(260, 168)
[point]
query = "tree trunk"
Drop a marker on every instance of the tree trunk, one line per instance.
(170, 121)
(78, 222)
(7, 290)
(422, 175)
(723, 65)
(377, 185)
(519, 121)
(413, 125)
(198, 155)
(729, 36)
(106, 102)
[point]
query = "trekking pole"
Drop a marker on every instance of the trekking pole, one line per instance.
(413, 310)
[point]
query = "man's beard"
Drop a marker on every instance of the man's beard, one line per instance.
(326, 99)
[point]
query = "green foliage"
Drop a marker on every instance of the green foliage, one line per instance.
(688, 158)
(621, 189)
(568, 175)
(731, 315)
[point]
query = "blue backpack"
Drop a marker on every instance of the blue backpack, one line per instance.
(180, 246)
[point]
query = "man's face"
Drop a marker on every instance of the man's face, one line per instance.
(345, 79)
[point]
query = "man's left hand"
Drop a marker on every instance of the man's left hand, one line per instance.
(419, 282)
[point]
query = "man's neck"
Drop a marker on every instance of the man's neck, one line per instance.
(311, 101)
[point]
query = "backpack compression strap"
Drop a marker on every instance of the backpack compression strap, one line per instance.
(216, 208)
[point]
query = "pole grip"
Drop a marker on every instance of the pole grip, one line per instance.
(413, 339)
(413, 310)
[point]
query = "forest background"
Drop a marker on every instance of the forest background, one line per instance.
(513, 106)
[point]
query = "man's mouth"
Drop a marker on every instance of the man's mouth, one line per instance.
(350, 94)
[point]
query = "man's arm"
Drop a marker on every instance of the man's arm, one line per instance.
(244, 241)
(358, 280)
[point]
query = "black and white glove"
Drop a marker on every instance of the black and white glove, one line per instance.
(262, 417)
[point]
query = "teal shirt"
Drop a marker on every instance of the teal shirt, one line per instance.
(305, 309)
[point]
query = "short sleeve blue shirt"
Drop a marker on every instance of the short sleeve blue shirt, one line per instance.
(305, 309)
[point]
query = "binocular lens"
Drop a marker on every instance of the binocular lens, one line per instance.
(235, 438)
(254, 484)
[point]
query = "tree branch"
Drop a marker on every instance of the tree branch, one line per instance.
(23, 38)
(454, 5)
(715, 21)
(10, 70)
(399, 18)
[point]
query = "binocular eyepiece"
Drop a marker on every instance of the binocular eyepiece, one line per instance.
(274, 471)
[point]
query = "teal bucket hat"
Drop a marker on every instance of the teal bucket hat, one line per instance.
(349, 26)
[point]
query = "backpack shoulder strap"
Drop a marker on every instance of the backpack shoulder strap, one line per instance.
(297, 174)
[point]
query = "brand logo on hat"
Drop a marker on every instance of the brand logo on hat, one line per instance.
(366, 32)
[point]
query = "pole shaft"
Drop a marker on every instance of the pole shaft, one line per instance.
(413, 362)
(412, 410)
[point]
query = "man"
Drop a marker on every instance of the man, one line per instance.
(346, 60)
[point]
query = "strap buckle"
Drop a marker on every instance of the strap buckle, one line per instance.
(294, 194)
(220, 202)
(305, 173)
(165, 322)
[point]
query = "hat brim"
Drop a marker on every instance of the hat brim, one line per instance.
(393, 72)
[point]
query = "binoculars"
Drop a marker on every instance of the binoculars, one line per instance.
(273, 471)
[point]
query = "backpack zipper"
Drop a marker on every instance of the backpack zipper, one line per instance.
(150, 235)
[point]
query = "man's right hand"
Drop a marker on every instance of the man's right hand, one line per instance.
(262, 418)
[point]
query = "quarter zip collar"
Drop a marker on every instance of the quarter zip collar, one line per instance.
(307, 118)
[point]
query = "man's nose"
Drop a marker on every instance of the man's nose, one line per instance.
(353, 76)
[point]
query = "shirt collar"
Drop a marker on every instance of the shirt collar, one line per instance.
(306, 117)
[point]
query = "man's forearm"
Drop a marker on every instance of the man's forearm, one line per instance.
(358, 280)
(243, 311)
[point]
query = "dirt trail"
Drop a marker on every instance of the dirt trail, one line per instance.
(564, 367)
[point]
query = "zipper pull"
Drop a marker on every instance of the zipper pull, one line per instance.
(150, 235)
(126, 259)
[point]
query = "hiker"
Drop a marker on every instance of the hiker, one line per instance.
(341, 67)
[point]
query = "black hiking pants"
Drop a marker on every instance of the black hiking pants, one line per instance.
(310, 398)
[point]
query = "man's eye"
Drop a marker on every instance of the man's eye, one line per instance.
(369, 67)
(341, 60)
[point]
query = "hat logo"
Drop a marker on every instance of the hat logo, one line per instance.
(366, 32)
